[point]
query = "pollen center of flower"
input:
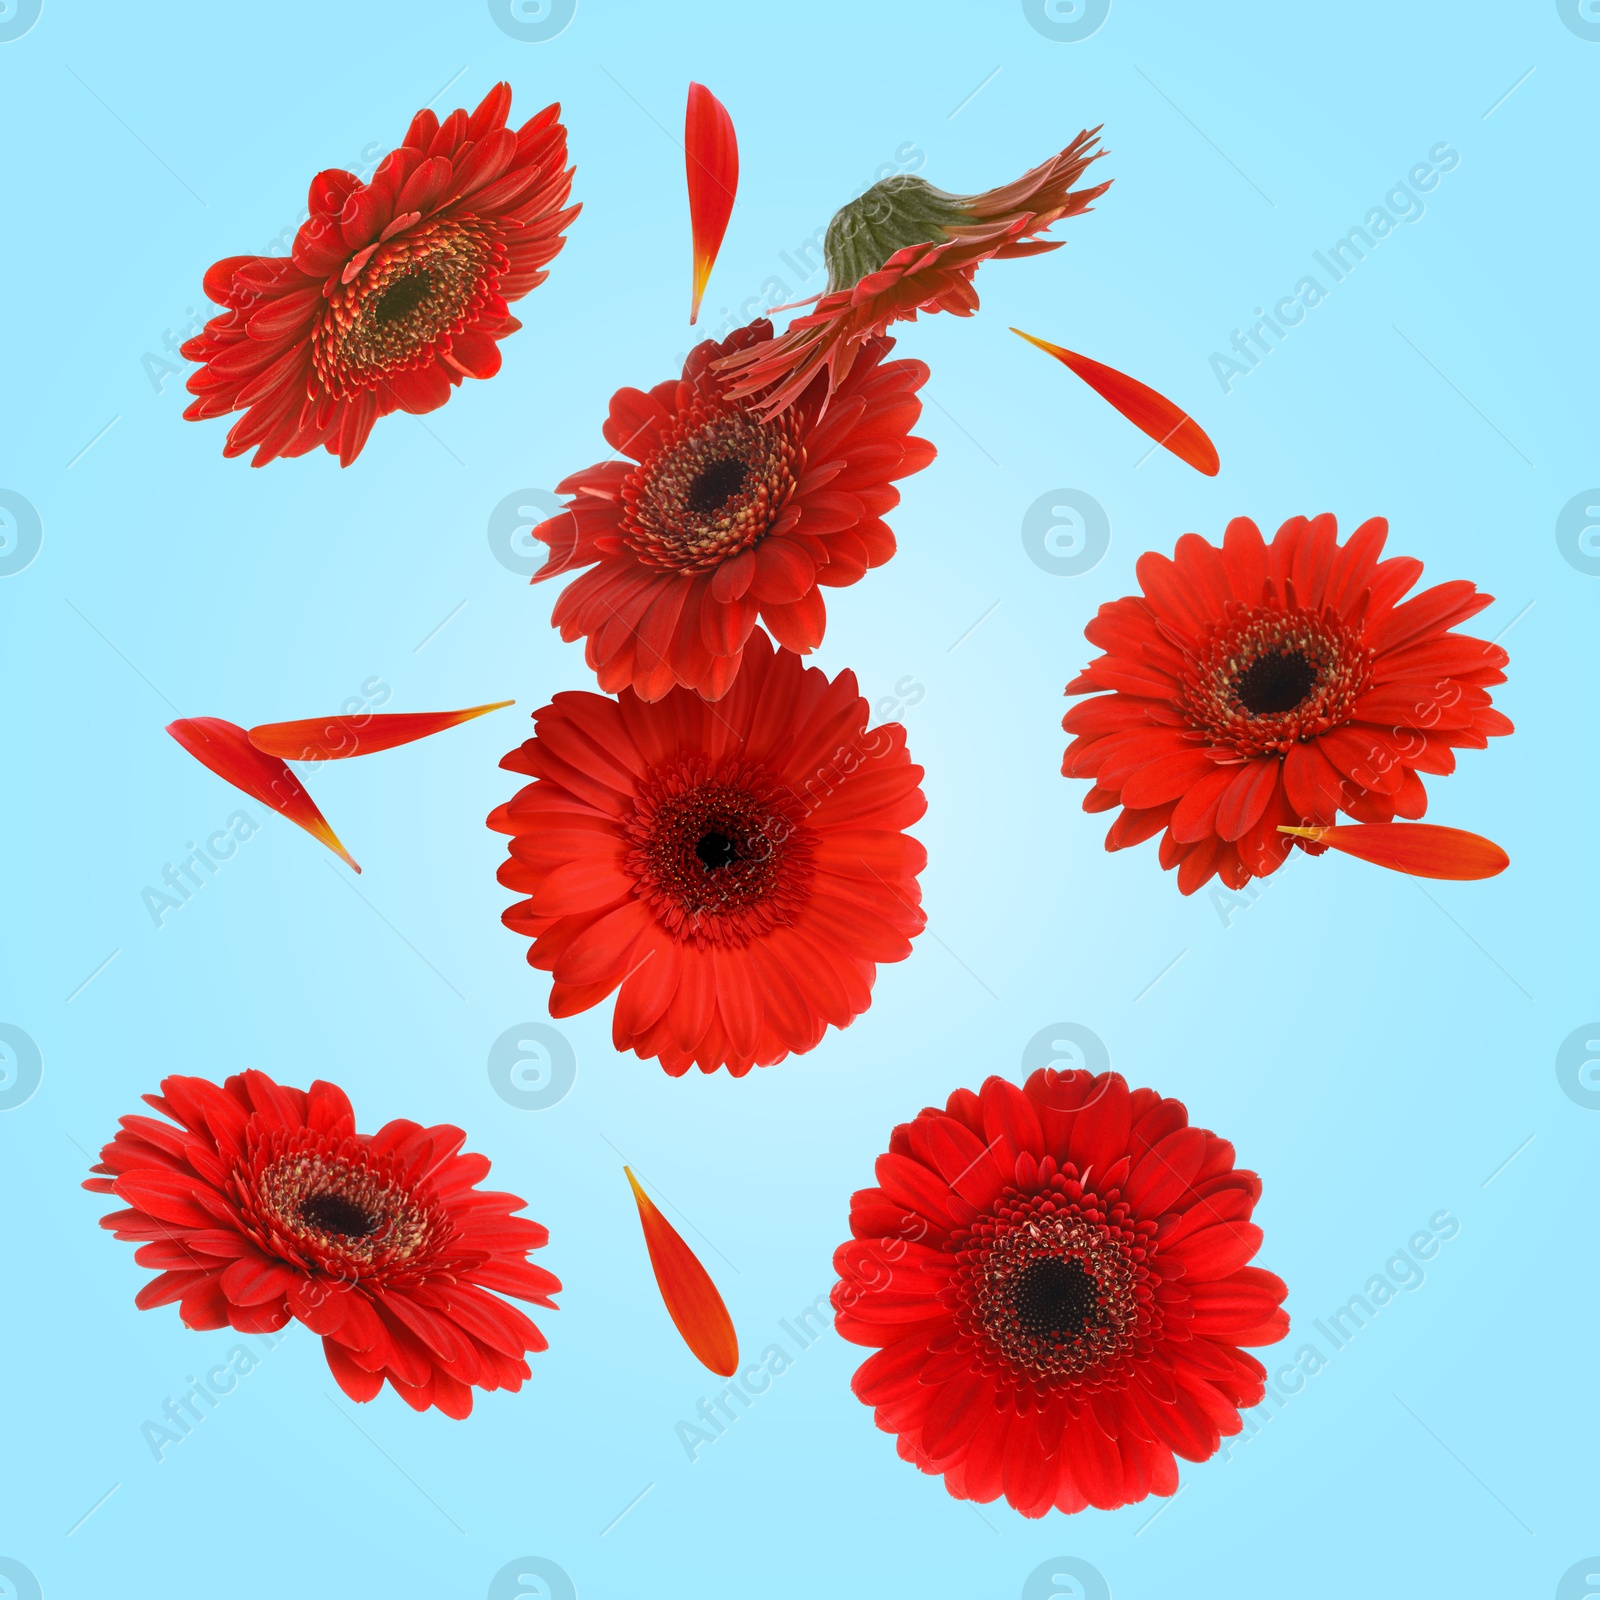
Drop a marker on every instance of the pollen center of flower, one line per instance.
(407, 302)
(1273, 676)
(1054, 1298)
(720, 853)
(716, 850)
(714, 485)
(1054, 1287)
(335, 1213)
(403, 296)
(327, 1203)
(1275, 683)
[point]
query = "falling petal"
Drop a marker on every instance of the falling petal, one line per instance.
(331, 738)
(226, 749)
(1420, 848)
(686, 1288)
(711, 158)
(1166, 423)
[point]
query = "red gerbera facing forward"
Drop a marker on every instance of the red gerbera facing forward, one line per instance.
(739, 869)
(904, 247)
(1266, 684)
(264, 1203)
(717, 518)
(395, 290)
(1056, 1281)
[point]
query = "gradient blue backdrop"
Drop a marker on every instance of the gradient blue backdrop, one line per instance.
(1378, 1049)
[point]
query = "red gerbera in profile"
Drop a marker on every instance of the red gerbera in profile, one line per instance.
(1056, 1281)
(738, 869)
(264, 1203)
(1266, 684)
(905, 247)
(717, 518)
(395, 290)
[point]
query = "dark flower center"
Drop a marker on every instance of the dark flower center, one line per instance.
(1275, 683)
(716, 850)
(1054, 1299)
(403, 296)
(1272, 676)
(1055, 1286)
(715, 484)
(335, 1213)
(420, 288)
(720, 854)
(325, 1202)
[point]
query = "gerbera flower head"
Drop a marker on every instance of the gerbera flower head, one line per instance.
(1055, 1280)
(261, 1203)
(715, 518)
(735, 871)
(395, 290)
(1260, 685)
(904, 247)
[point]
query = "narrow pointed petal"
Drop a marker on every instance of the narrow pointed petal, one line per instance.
(1169, 425)
(1421, 848)
(690, 1296)
(711, 158)
(332, 738)
(226, 749)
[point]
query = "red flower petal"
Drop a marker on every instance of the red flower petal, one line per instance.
(1421, 848)
(331, 738)
(1156, 415)
(711, 159)
(226, 749)
(690, 1296)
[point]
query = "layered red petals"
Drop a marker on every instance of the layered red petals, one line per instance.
(1152, 413)
(734, 873)
(333, 738)
(711, 160)
(691, 1298)
(716, 521)
(229, 752)
(1056, 1282)
(395, 290)
(263, 1204)
(1251, 693)
(922, 277)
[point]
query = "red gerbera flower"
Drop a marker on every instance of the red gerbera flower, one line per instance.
(719, 518)
(738, 869)
(264, 1203)
(395, 290)
(1055, 1280)
(1266, 684)
(905, 247)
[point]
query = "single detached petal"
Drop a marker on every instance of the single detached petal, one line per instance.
(1421, 848)
(331, 738)
(690, 1296)
(1167, 424)
(226, 749)
(711, 158)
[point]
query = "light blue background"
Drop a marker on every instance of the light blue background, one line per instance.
(1375, 1049)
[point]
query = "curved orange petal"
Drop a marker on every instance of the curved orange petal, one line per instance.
(1169, 425)
(332, 738)
(1420, 848)
(226, 749)
(690, 1296)
(711, 159)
